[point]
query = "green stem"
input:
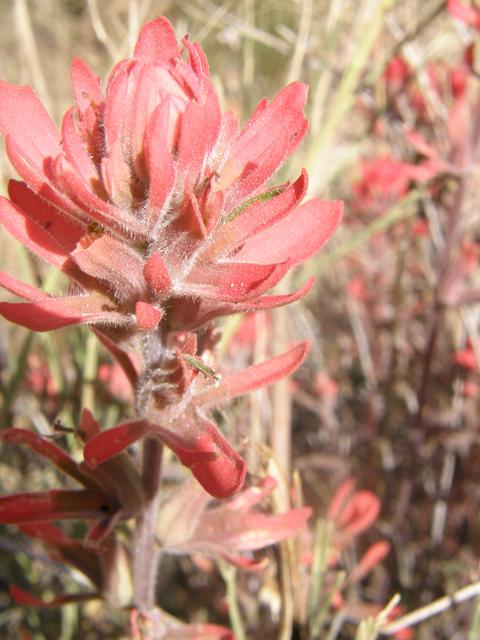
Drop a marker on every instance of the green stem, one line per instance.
(229, 575)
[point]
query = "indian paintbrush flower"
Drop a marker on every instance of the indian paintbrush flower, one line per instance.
(151, 201)
(154, 205)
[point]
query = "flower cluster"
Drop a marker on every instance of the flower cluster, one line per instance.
(155, 207)
(151, 201)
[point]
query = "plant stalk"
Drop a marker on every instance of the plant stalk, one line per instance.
(146, 553)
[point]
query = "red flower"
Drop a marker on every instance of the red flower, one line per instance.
(155, 206)
(466, 358)
(383, 182)
(151, 201)
(184, 426)
(351, 512)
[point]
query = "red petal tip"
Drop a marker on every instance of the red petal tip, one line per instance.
(156, 274)
(147, 316)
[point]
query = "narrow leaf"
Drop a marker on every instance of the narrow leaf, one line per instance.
(27, 600)
(253, 378)
(53, 505)
(50, 451)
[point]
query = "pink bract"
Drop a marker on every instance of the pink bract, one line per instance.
(187, 527)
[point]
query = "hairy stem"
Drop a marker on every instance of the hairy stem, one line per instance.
(145, 559)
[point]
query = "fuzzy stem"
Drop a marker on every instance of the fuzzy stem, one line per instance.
(145, 559)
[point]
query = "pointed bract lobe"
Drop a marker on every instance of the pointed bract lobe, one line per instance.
(157, 41)
(284, 112)
(299, 236)
(234, 282)
(62, 229)
(56, 313)
(87, 87)
(161, 167)
(196, 59)
(22, 290)
(190, 218)
(26, 599)
(58, 504)
(254, 378)
(272, 302)
(199, 132)
(30, 234)
(19, 109)
(189, 315)
(257, 217)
